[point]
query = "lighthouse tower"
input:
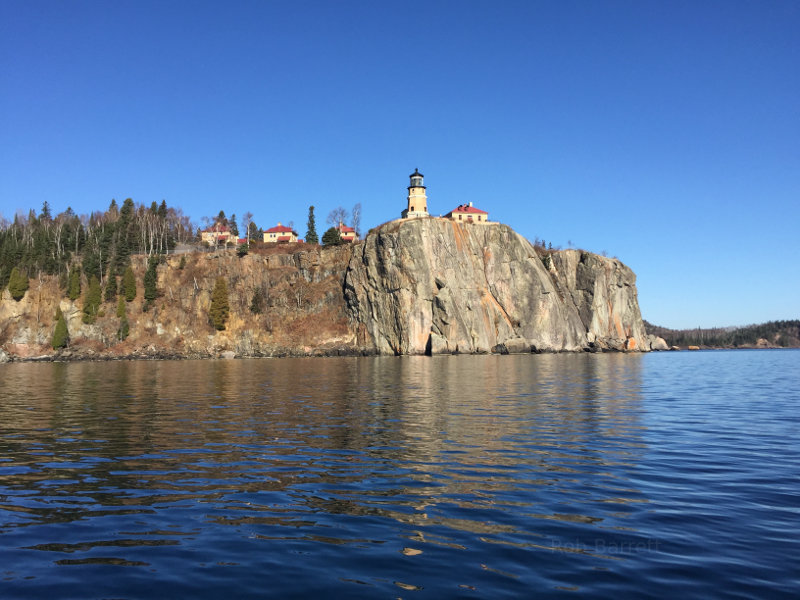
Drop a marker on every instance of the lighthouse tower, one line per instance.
(417, 200)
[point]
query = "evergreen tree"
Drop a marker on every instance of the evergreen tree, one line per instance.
(311, 233)
(220, 309)
(254, 232)
(111, 287)
(129, 285)
(182, 264)
(122, 258)
(124, 328)
(257, 303)
(332, 237)
(74, 286)
(92, 300)
(17, 284)
(61, 333)
(91, 262)
(150, 278)
(122, 315)
(233, 226)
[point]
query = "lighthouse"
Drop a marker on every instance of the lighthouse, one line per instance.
(417, 200)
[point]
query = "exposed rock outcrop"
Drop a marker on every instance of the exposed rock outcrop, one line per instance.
(657, 343)
(437, 286)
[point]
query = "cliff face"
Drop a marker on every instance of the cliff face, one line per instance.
(303, 311)
(412, 287)
(438, 286)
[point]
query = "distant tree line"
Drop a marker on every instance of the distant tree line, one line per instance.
(780, 333)
(98, 244)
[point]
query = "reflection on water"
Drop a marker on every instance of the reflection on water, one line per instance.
(471, 475)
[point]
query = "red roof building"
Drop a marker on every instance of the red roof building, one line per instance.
(217, 234)
(468, 213)
(347, 234)
(280, 234)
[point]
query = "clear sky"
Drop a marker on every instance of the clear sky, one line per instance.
(664, 133)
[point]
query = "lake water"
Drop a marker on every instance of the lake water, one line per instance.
(611, 475)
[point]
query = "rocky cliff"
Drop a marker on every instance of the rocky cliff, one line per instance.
(412, 287)
(437, 286)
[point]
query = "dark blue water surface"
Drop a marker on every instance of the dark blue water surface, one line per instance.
(614, 475)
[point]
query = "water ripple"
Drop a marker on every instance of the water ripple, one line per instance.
(613, 475)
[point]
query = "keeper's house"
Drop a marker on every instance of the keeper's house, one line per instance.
(468, 213)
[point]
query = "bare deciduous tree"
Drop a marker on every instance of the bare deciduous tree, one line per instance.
(336, 216)
(247, 218)
(356, 218)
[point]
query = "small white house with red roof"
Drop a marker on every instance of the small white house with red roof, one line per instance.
(468, 213)
(346, 234)
(217, 234)
(280, 234)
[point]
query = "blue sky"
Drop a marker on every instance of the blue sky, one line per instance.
(664, 133)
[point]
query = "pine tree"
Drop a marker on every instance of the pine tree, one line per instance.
(92, 301)
(17, 284)
(122, 315)
(253, 232)
(46, 214)
(122, 258)
(61, 333)
(311, 233)
(124, 328)
(233, 226)
(150, 278)
(74, 286)
(331, 237)
(111, 287)
(129, 285)
(220, 309)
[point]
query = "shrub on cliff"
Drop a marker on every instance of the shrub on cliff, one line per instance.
(220, 309)
(17, 284)
(257, 304)
(61, 333)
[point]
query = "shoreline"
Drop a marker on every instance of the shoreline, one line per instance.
(71, 356)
